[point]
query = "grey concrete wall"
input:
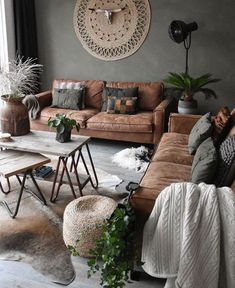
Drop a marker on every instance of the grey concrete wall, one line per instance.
(213, 47)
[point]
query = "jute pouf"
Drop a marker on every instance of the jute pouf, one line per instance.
(83, 219)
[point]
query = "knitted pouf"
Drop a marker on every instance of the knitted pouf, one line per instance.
(83, 219)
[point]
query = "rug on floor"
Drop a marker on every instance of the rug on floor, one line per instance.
(35, 235)
(133, 158)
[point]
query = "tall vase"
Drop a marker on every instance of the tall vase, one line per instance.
(14, 117)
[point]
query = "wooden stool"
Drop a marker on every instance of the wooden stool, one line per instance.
(15, 162)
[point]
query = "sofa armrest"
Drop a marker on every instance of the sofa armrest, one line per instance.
(182, 123)
(44, 99)
(160, 117)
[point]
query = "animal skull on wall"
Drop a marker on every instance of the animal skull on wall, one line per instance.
(107, 12)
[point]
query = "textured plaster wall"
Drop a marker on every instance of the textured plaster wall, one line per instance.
(213, 46)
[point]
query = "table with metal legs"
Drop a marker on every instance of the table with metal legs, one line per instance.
(13, 163)
(59, 176)
(69, 154)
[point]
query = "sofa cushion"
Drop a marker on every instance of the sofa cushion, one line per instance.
(150, 94)
(140, 122)
(204, 163)
(173, 147)
(122, 105)
(93, 91)
(80, 116)
(68, 99)
(226, 163)
(200, 132)
(117, 93)
(159, 175)
(222, 123)
(163, 174)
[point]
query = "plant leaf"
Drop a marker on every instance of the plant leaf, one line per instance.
(60, 128)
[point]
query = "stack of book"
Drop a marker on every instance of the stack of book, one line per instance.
(43, 172)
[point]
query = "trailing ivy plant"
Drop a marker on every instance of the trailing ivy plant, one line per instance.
(116, 249)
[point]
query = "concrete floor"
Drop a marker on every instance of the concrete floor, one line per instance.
(21, 275)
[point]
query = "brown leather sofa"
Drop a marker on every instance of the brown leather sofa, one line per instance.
(147, 126)
(171, 163)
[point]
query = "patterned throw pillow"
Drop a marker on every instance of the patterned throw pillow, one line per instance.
(117, 93)
(204, 163)
(226, 168)
(200, 132)
(221, 125)
(122, 105)
(68, 99)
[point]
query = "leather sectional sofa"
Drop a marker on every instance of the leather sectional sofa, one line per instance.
(171, 163)
(146, 126)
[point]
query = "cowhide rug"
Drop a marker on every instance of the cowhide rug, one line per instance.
(35, 235)
(133, 158)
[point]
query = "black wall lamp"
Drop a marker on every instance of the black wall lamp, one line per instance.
(181, 32)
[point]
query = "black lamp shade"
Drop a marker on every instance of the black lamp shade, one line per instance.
(178, 30)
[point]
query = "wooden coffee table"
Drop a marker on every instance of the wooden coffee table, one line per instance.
(45, 143)
(14, 162)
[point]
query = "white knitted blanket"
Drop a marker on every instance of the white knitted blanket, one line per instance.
(189, 237)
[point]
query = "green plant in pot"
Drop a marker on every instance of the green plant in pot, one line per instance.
(188, 87)
(17, 78)
(64, 126)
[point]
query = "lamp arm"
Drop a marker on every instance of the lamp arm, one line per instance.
(187, 45)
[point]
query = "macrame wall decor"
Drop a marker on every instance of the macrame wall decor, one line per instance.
(112, 29)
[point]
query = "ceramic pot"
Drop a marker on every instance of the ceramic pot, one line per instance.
(187, 107)
(63, 137)
(14, 117)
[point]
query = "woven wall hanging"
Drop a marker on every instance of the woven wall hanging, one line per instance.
(112, 29)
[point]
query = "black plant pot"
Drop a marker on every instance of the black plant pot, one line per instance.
(63, 137)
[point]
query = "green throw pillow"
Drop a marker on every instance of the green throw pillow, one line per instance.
(205, 163)
(117, 93)
(122, 105)
(200, 132)
(68, 99)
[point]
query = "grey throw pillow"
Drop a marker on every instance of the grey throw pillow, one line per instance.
(118, 93)
(226, 163)
(200, 132)
(205, 163)
(68, 99)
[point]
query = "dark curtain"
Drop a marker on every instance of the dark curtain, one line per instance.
(25, 29)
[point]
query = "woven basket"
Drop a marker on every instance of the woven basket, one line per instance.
(83, 219)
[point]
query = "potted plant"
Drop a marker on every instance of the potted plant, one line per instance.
(64, 126)
(116, 248)
(188, 87)
(17, 79)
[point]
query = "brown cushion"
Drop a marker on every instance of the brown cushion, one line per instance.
(161, 173)
(150, 94)
(93, 91)
(173, 147)
(221, 125)
(140, 122)
(80, 116)
(159, 176)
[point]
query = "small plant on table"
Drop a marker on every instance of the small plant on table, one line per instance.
(64, 126)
